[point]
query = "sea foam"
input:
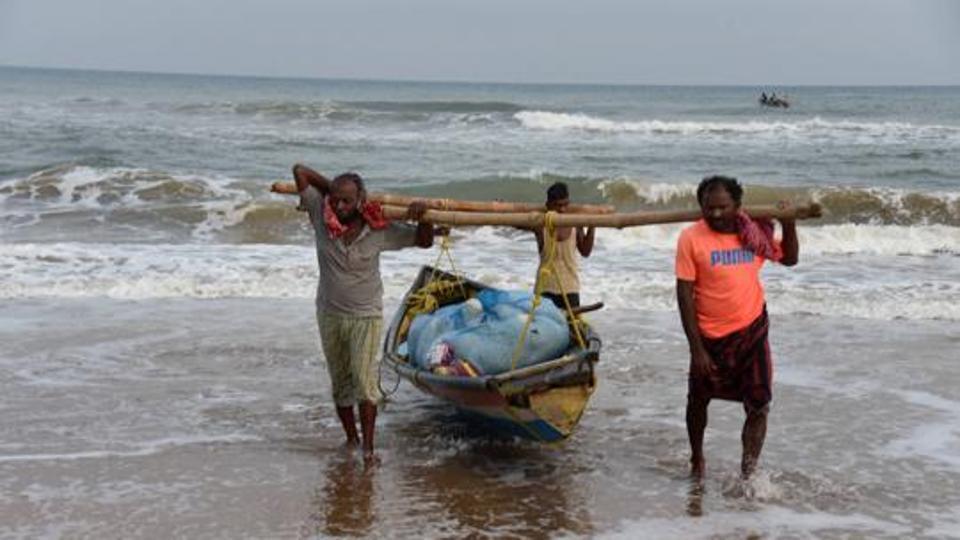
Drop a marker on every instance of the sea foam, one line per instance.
(566, 121)
(628, 269)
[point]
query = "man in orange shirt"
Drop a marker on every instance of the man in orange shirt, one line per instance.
(724, 313)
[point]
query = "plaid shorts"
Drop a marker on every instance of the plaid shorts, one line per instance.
(744, 367)
(351, 346)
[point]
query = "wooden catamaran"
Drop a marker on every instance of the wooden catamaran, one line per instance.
(543, 402)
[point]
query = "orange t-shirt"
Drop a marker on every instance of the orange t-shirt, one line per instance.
(727, 291)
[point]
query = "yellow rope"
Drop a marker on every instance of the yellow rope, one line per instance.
(445, 244)
(426, 299)
(574, 320)
(546, 270)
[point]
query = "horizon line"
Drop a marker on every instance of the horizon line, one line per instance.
(467, 81)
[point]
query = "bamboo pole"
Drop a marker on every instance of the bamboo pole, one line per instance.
(289, 188)
(616, 221)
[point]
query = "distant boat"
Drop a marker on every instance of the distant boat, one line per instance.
(774, 101)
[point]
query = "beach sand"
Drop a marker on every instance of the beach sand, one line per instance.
(212, 419)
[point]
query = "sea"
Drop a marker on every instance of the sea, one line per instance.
(160, 374)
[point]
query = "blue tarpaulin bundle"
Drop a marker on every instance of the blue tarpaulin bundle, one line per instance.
(485, 331)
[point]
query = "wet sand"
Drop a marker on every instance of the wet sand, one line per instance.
(212, 419)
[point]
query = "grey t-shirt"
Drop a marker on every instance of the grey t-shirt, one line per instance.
(350, 282)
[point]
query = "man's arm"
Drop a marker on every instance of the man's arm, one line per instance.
(790, 244)
(305, 177)
(700, 362)
(585, 241)
(538, 233)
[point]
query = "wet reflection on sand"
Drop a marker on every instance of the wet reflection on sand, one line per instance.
(457, 474)
(343, 504)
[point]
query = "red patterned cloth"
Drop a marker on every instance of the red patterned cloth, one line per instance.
(744, 367)
(757, 236)
(371, 212)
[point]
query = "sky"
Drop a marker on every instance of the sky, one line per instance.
(751, 42)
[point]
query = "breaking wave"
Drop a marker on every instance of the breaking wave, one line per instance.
(809, 128)
(624, 273)
(133, 204)
(346, 110)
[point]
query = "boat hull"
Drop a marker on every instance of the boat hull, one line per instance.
(543, 402)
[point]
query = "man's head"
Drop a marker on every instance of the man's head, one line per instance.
(558, 198)
(719, 198)
(347, 194)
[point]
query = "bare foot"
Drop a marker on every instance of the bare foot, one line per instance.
(695, 498)
(698, 467)
(350, 445)
(370, 459)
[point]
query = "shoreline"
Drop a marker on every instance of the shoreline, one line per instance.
(186, 415)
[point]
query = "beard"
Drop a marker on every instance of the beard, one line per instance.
(723, 224)
(349, 217)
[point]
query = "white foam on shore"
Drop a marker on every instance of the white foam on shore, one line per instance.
(946, 526)
(939, 438)
(845, 239)
(862, 286)
(144, 448)
(135, 271)
(886, 240)
(767, 522)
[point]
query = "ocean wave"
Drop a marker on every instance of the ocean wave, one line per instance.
(857, 205)
(71, 184)
(436, 106)
(629, 193)
(890, 206)
(159, 205)
(841, 205)
(559, 121)
(90, 101)
(350, 110)
(285, 109)
(74, 202)
(919, 173)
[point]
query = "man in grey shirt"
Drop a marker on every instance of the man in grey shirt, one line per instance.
(350, 234)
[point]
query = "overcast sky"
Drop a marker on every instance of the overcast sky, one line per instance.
(588, 41)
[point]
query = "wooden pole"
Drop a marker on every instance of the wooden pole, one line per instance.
(616, 221)
(289, 188)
